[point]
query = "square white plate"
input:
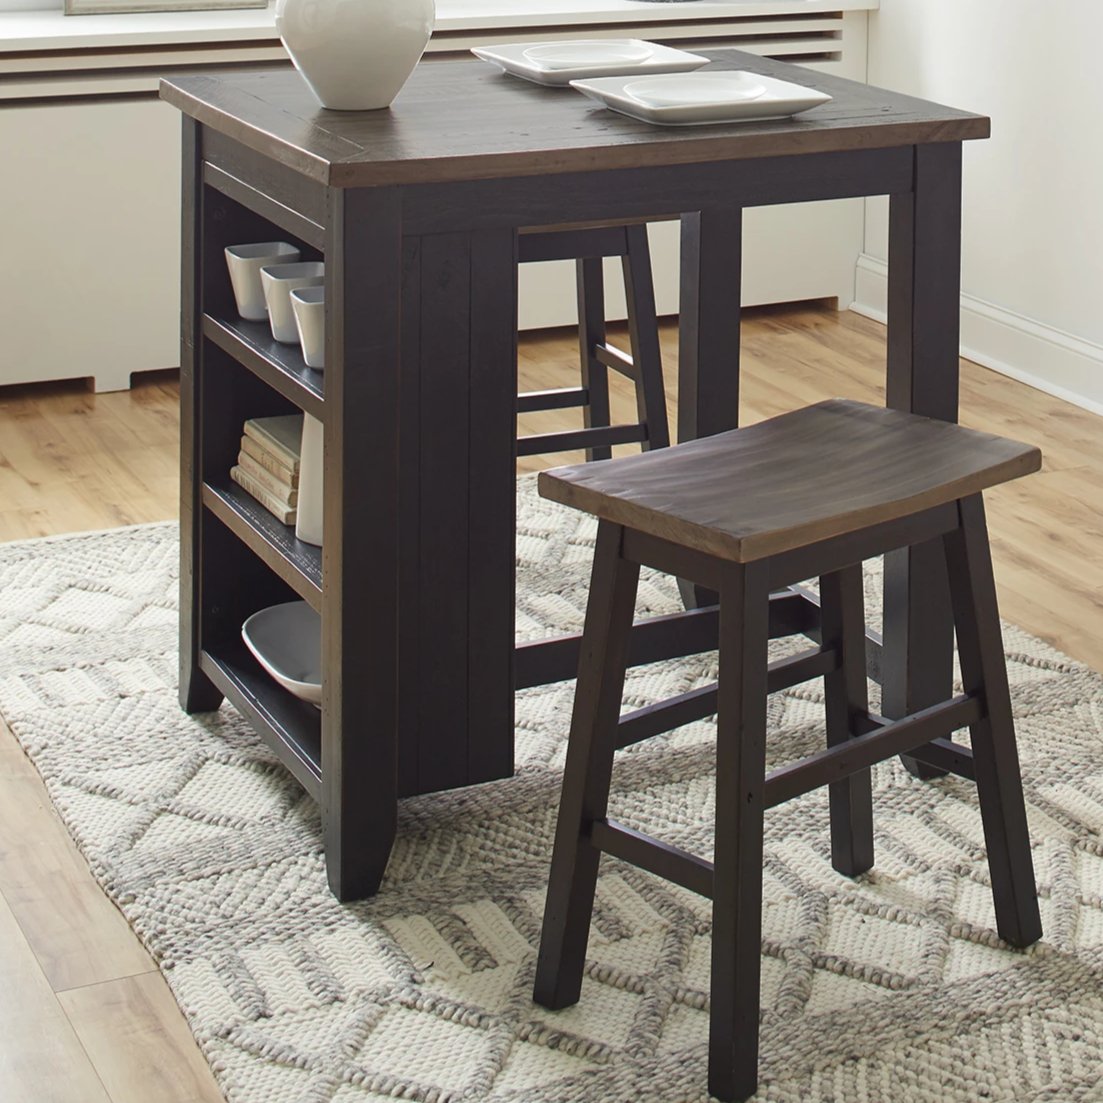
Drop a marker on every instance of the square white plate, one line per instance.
(694, 99)
(512, 57)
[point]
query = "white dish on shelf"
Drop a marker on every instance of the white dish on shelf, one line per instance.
(694, 99)
(287, 641)
(588, 52)
(512, 57)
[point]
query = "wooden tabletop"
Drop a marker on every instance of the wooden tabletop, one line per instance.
(461, 119)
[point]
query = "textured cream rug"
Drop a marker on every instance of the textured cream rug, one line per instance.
(891, 987)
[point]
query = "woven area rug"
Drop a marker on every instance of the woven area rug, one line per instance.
(890, 987)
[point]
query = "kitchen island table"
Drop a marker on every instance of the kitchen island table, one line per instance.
(416, 211)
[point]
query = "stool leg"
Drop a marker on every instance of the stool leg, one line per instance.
(737, 881)
(590, 279)
(995, 757)
(842, 608)
(588, 772)
(643, 335)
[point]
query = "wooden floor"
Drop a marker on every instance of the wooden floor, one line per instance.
(84, 1015)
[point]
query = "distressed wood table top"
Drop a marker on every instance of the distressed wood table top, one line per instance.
(461, 119)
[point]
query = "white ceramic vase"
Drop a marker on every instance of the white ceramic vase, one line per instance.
(355, 54)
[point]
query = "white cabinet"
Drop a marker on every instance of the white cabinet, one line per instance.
(90, 187)
(91, 239)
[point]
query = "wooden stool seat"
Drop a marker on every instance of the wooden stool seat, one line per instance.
(815, 473)
(746, 513)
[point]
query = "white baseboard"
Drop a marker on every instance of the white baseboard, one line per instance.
(1011, 344)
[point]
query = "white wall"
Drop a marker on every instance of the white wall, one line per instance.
(1032, 271)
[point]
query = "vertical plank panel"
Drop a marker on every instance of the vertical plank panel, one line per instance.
(443, 554)
(492, 524)
(361, 550)
(409, 564)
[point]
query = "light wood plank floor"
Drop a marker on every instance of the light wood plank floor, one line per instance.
(84, 1015)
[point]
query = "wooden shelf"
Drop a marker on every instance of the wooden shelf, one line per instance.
(291, 727)
(280, 366)
(297, 563)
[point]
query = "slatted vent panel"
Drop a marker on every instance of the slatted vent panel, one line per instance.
(54, 74)
(40, 75)
(818, 37)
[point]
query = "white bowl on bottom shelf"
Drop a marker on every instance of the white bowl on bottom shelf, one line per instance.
(287, 641)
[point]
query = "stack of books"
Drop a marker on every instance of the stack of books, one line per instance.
(268, 463)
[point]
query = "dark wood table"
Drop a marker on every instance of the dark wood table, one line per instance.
(416, 211)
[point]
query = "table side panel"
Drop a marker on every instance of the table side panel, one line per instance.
(658, 192)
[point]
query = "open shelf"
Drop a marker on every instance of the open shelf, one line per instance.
(280, 366)
(297, 563)
(291, 727)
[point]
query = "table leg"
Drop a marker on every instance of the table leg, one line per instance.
(197, 692)
(361, 551)
(458, 492)
(708, 336)
(924, 298)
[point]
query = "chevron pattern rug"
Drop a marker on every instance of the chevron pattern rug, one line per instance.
(893, 986)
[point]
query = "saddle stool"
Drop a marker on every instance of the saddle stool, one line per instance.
(587, 245)
(745, 513)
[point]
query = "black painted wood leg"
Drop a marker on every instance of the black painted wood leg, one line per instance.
(851, 800)
(639, 293)
(924, 298)
(999, 784)
(590, 280)
(737, 888)
(708, 336)
(197, 692)
(588, 772)
(361, 549)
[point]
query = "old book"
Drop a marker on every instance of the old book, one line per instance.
(281, 437)
(279, 509)
(255, 450)
(273, 483)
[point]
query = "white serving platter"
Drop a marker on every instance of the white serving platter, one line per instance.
(287, 641)
(695, 99)
(556, 64)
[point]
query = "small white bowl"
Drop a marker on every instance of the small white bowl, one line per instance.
(287, 641)
(245, 263)
(309, 307)
(279, 280)
(587, 52)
